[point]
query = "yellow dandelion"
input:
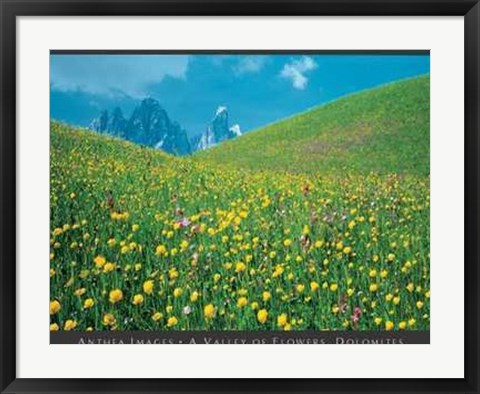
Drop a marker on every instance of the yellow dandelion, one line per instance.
(209, 311)
(99, 261)
(194, 296)
(108, 267)
(173, 273)
(161, 250)
(115, 296)
(240, 267)
(54, 307)
(148, 286)
(81, 291)
(262, 316)
(172, 321)
(69, 325)
(157, 316)
(88, 303)
(177, 292)
(137, 299)
(241, 302)
(282, 320)
(109, 319)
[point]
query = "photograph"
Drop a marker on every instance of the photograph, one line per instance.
(266, 192)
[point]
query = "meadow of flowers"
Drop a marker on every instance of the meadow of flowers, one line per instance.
(143, 241)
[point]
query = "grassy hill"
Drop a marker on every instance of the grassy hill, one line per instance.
(385, 129)
(230, 240)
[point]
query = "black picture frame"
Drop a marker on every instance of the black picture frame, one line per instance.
(9, 383)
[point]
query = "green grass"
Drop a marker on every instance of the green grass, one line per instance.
(276, 238)
(384, 130)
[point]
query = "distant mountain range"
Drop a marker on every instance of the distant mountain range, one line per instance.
(150, 125)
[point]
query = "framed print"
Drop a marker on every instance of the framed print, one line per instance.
(238, 193)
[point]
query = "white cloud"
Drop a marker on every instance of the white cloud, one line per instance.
(295, 71)
(113, 74)
(249, 64)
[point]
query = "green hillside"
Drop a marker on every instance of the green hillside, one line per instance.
(229, 240)
(382, 130)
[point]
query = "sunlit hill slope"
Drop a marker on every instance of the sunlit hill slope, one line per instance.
(381, 130)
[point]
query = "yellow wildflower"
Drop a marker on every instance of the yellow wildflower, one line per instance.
(108, 267)
(157, 316)
(194, 296)
(172, 321)
(209, 311)
(240, 267)
(282, 320)
(241, 302)
(99, 261)
(262, 316)
(137, 299)
(177, 292)
(88, 303)
(70, 325)
(148, 286)
(54, 307)
(109, 319)
(115, 296)
(81, 291)
(389, 325)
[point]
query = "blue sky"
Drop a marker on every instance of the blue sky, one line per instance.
(256, 89)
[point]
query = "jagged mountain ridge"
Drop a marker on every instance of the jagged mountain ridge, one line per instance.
(217, 130)
(148, 125)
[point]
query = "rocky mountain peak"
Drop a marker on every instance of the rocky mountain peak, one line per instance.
(217, 130)
(148, 125)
